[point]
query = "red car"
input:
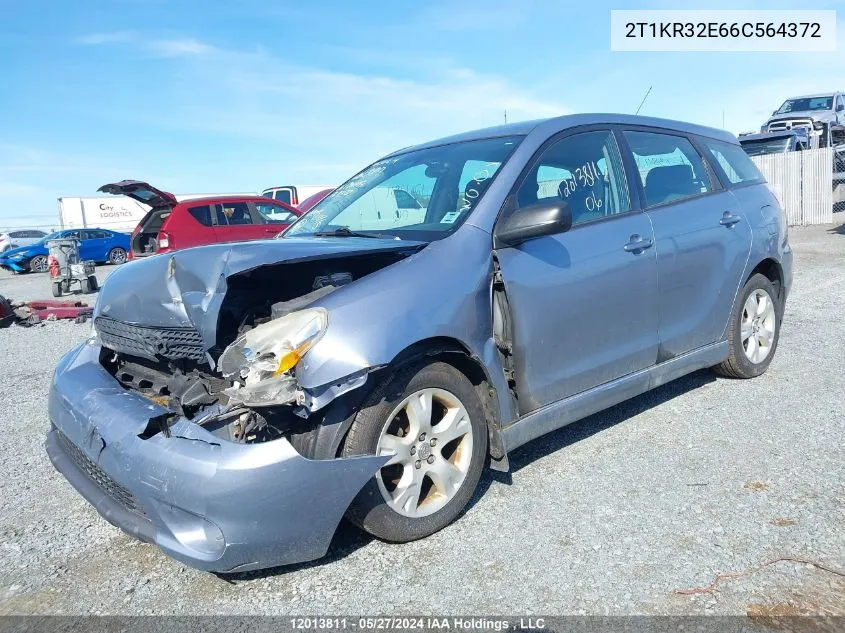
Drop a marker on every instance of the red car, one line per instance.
(311, 201)
(172, 225)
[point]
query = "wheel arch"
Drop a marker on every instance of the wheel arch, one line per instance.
(773, 271)
(331, 431)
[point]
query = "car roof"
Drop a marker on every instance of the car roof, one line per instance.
(214, 199)
(561, 123)
(818, 95)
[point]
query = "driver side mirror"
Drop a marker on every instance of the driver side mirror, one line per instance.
(840, 107)
(538, 220)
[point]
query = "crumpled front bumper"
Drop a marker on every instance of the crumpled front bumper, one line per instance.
(212, 504)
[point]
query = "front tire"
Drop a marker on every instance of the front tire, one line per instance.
(430, 419)
(38, 264)
(753, 331)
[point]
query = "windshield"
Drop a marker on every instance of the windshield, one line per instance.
(806, 104)
(766, 146)
(52, 236)
(420, 195)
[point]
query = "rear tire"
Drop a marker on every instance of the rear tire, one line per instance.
(754, 330)
(56, 286)
(85, 285)
(438, 457)
(93, 286)
(117, 256)
(38, 264)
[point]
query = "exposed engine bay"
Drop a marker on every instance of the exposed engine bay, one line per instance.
(244, 389)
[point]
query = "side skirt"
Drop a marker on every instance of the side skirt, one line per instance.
(558, 414)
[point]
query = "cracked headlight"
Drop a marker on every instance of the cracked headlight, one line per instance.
(260, 360)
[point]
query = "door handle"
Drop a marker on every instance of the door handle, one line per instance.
(728, 219)
(638, 244)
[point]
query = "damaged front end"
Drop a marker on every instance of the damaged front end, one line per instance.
(179, 419)
(237, 379)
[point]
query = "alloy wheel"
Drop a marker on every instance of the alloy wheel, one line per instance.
(38, 264)
(430, 440)
(118, 256)
(757, 328)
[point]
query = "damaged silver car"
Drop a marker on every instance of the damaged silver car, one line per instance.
(446, 305)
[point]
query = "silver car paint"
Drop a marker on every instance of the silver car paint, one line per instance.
(376, 318)
(193, 482)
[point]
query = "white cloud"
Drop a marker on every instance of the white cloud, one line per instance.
(179, 47)
(263, 96)
(112, 37)
(240, 120)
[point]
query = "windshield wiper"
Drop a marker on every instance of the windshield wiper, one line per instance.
(345, 231)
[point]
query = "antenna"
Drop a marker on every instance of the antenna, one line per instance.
(648, 92)
(506, 117)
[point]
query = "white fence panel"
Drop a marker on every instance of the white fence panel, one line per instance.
(803, 182)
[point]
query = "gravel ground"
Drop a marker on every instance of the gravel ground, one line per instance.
(612, 515)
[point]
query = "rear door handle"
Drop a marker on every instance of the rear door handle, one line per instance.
(638, 244)
(728, 219)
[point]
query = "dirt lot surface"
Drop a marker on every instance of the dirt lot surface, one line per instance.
(702, 497)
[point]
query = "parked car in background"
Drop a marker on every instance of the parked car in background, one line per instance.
(293, 194)
(311, 201)
(171, 225)
(98, 245)
(236, 401)
(817, 114)
(20, 237)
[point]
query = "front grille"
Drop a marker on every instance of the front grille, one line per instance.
(779, 126)
(114, 490)
(152, 342)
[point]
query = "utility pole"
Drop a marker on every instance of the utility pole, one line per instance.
(648, 92)
(506, 117)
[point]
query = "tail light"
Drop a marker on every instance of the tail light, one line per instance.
(165, 241)
(53, 266)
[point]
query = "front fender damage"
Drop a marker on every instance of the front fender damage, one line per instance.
(254, 399)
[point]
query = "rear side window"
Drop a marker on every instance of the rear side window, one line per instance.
(234, 214)
(282, 195)
(734, 162)
(201, 214)
(670, 168)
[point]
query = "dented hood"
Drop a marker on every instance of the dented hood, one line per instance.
(186, 288)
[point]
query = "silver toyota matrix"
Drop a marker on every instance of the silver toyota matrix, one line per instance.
(446, 305)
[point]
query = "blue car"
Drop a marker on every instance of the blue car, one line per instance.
(99, 245)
